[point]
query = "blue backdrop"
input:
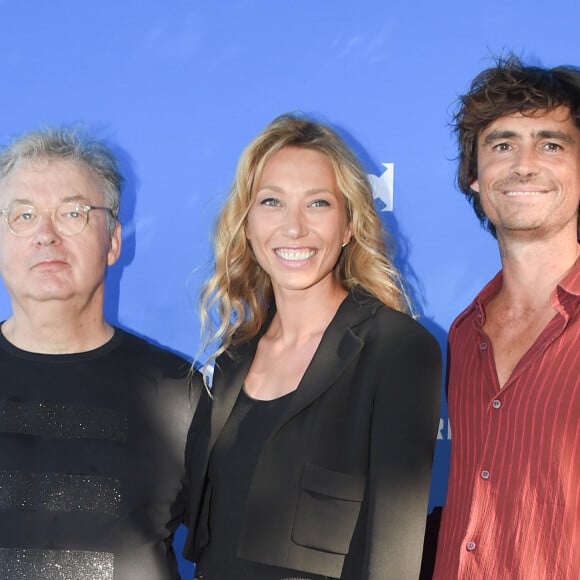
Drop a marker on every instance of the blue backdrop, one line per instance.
(177, 88)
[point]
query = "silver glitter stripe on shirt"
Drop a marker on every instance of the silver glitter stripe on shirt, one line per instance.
(61, 421)
(59, 492)
(55, 565)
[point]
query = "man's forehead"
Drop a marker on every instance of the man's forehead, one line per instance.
(534, 121)
(43, 163)
(64, 178)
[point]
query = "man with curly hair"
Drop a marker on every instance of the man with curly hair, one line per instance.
(513, 505)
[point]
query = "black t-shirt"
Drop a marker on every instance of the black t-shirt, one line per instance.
(91, 461)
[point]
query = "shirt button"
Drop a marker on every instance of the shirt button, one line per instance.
(485, 474)
(483, 345)
(496, 404)
(470, 546)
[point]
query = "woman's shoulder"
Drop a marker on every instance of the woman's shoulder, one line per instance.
(370, 308)
(385, 323)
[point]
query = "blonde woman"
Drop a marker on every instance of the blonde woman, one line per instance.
(315, 459)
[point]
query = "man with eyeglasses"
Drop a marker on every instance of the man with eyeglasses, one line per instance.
(93, 420)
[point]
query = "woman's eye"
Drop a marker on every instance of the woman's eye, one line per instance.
(320, 203)
(270, 201)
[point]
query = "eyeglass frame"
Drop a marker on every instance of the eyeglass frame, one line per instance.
(86, 208)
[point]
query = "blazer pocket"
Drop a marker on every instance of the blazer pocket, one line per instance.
(328, 507)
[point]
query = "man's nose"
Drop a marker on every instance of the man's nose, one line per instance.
(525, 162)
(46, 233)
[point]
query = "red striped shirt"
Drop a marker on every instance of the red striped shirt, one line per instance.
(513, 504)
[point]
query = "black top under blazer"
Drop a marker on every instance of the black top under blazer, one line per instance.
(341, 486)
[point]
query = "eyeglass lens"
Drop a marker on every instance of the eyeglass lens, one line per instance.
(68, 218)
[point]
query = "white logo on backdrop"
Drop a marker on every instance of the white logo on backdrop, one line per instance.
(383, 187)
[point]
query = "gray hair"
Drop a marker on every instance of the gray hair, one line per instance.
(69, 143)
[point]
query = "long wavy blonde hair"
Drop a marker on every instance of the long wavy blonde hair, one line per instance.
(235, 299)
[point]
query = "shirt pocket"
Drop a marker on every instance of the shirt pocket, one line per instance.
(328, 506)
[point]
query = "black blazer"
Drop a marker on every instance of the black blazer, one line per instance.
(342, 483)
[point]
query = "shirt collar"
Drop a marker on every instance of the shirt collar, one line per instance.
(571, 282)
(488, 292)
(566, 296)
(567, 289)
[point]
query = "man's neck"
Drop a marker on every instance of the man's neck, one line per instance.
(532, 269)
(53, 331)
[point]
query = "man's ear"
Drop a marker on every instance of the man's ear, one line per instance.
(114, 245)
(475, 185)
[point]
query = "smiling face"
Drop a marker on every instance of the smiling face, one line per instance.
(529, 174)
(297, 222)
(49, 266)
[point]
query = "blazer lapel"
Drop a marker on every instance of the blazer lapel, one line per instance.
(231, 373)
(338, 347)
(232, 378)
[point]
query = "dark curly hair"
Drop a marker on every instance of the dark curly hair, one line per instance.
(508, 87)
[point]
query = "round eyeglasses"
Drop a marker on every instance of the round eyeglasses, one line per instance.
(69, 218)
